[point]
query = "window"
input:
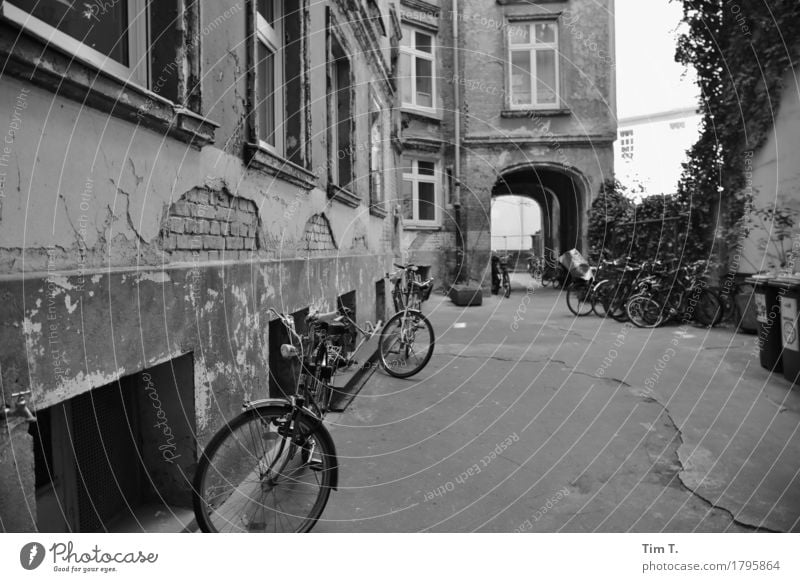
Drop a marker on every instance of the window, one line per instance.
(533, 64)
(112, 36)
(276, 80)
(377, 145)
(626, 144)
(421, 192)
(340, 126)
(418, 69)
(269, 75)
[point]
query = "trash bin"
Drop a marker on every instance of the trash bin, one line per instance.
(789, 293)
(768, 309)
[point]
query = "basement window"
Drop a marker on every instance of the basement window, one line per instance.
(116, 456)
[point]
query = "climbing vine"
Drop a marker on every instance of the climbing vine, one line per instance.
(653, 228)
(740, 50)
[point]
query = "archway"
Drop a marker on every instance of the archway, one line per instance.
(561, 193)
(516, 224)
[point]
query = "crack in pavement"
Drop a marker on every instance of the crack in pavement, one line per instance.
(573, 332)
(540, 361)
(502, 359)
(683, 485)
(645, 398)
(616, 380)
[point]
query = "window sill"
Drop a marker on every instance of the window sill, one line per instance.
(262, 159)
(421, 112)
(35, 61)
(344, 196)
(378, 209)
(535, 112)
(421, 226)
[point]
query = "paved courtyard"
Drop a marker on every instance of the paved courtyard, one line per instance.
(529, 419)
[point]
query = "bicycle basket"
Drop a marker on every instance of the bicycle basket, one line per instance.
(425, 289)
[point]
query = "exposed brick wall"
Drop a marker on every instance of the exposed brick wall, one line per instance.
(318, 235)
(211, 221)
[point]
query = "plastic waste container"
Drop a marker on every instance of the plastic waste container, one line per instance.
(768, 314)
(789, 293)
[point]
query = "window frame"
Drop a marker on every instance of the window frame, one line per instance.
(338, 54)
(413, 53)
(138, 43)
(626, 144)
(377, 194)
(532, 47)
(415, 178)
(271, 37)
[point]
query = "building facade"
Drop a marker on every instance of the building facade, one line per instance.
(502, 97)
(651, 149)
(169, 172)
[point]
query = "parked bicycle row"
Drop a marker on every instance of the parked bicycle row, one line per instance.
(648, 294)
(272, 468)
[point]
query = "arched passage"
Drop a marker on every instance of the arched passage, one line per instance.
(516, 223)
(560, 192)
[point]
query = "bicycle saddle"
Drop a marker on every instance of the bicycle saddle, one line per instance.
(329, 317)
(410, 266)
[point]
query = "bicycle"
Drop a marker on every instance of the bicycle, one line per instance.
(685, 296)
(407, 339)
(535, 267)
(273, 466)
(408, 288)
(505, 280)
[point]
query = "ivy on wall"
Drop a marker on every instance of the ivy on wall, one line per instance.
(741, 50)
(653, 228)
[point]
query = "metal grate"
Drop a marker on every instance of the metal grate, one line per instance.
(105, 454)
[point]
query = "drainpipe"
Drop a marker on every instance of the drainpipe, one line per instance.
(460, 243)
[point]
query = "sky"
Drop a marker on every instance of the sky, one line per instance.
(648, 78)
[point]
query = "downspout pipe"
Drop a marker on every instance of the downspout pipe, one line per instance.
(457, 210)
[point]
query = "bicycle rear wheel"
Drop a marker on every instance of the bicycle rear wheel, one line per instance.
(579, 299)
(406, 344)
(506, 285)
(262, 472)
(600, 292)
(615, 306)
(708, 310)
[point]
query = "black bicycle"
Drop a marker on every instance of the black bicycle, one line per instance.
(271, 468)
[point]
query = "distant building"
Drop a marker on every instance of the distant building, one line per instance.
(522, 102)
(650, 148)
(515, 220)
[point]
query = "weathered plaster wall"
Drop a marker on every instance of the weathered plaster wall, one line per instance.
(95, 283)
(775, 173)
(64, 335)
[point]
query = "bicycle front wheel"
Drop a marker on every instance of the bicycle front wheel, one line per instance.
(644, 311)
(406, 344)
(506, 285)
(264, 472)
